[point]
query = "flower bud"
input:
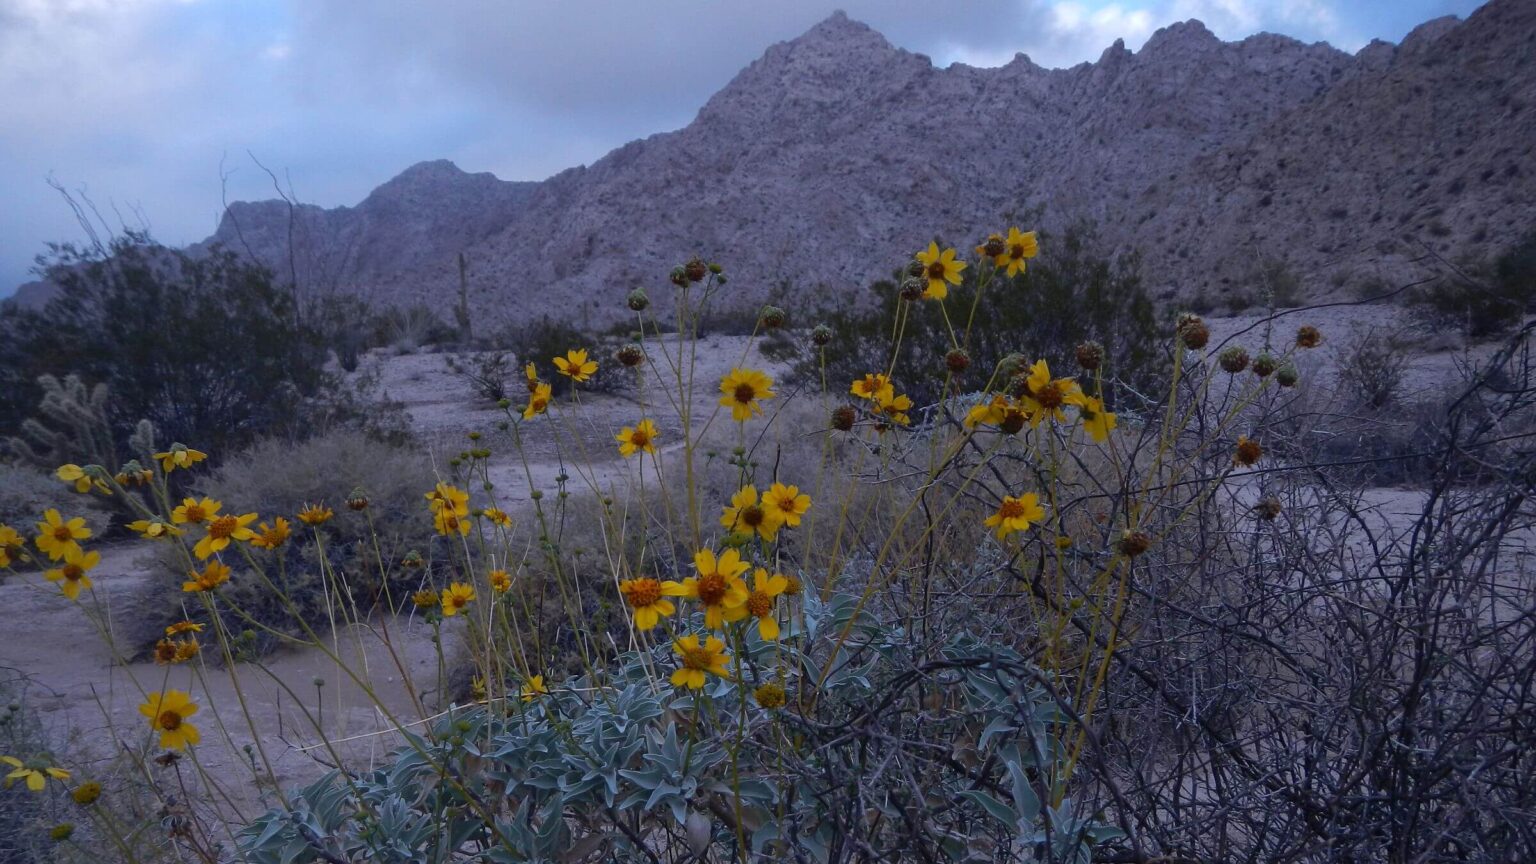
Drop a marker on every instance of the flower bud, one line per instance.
(1264, 365)
(916, 268)
(86, 793)
(631, 355)
(1192, 331)
(638, 300)
(1090, 355)
(957, 360)
(1248, 451)
(821, 335)
(912, 289)
(1287, 376)
(1233, 359)
(1308, 337)
(412, 560)
(679, 277)
(843, 417)
(994, 246)
(1133, 543)
(772, 317)
(770, 695)
(357, 500)
(695, 270)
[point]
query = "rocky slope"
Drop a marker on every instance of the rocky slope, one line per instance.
(834, 154)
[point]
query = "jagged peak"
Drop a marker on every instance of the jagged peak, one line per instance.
(1192, 33)
(834, 36)
(1430, 31)
(1114, 53)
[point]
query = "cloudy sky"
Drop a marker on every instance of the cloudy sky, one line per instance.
(140, 102)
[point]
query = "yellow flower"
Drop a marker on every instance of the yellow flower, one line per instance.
(894, 409)
(1096, 421)
(221, 530)
(698, 659)
(742, 388)
(168, 713)
(1018, 247)
(448, 498)
(501, 581)
(154, 529)
(538, 400)
(179, 456)
(1016, 514)
(498, 517)
(56, 535)
(1047, 396)
(315, 514)
(718, 586)
(75, 574)
(648, 598)
(531, 373)
(642, 436)
(169, 652)
(11, 545)
(195, 512)
(271, 536)
(213, 575)
(449, 523)
(939, 268)
(745, 514)
(426, 598)
(181, 627)
(575, 365)
(873, 387)
(456, 597)
(788, 501)
(34, 772)
(534, 688)
(760, 603)
(83, 481)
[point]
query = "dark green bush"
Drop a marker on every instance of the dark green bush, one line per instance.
(1486, 298)
(539, 342)
(1072, 293)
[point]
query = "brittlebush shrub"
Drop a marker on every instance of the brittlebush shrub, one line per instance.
(276, 478)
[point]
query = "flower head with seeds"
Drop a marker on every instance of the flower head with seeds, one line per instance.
(718, 585)
(1015, 514)
(638, 438)
(746, 514)
(168, 713)
(57, 535)
(575, 365)
(695, 659)
(939, 268)
(648, 598)
(456, 597)
(74, 575)
(742, 389)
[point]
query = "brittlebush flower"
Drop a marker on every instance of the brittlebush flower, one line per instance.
(191, 511)
(939, 268)
(1000, 411)
(34, 773)
(534, 688)
(179, 456)
(447, 497)
(1046, 396)
(449, 523)
(426, 598)
(315, 514)
(640, 437)
(538, 400)
(75, 574)
(57, 535)
(576, 366)
(168, 713)
(647, 597)
(744, 513)
(718, 585)
(11, 545)
(874, 387)
(497, 517)
(457, 596)
(154, 529)
(1018, 246)
(788, 501)
(760, 603)
(1097, 422)
(893, 409)
(501, 581)
(696, 659)
(181, 627)
(221, 530)
(271, 536)
(81, 479)
(531, 376)
(742, 389)
(1015, 514)
(86, 793)
(213, 575)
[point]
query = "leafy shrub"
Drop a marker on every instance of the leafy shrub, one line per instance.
(278, 478)
(540, 341)
(1372, 368)
(1484, 297)
(486, 372)
(1071, 294)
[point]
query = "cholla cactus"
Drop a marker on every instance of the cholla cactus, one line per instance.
(71, 425)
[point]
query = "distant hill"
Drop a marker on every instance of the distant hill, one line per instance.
(835, 153)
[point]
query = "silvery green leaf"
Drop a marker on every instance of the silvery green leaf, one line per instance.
(995, 808)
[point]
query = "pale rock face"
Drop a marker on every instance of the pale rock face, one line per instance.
(833, 156)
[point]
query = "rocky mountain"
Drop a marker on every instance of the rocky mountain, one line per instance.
(834, 154)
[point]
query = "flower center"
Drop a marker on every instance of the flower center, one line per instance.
(712, 589)
(759, 604)
(1016, 250)
(936, 270)
(751, 516)
(639, 438)
(63, 534)
(170, 721)
(698, 658)
(1011, 509)
(643, 592)
(745, 393)
(787, 504)
(74, 572)
(1050, 396)
(222, 527)
(196, 514)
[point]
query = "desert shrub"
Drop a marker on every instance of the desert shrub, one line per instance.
(487, 372)
(408, 328)
(361, 550)
(1276, 282)
(25, 492)
(1372, 367)
(540, 341)
(209, 348)
(1071, 294)
(1486, 298)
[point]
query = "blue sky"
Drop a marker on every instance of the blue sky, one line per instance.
(140, 102)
